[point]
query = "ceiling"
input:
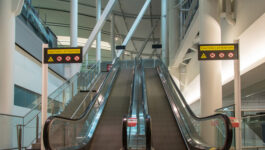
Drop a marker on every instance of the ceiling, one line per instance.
(55, 13)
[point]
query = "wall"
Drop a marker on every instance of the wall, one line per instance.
(29, 41)
(28, 73)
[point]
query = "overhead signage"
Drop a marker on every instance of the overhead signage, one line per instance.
(156, 46)
(120, 47)
(218, 52)
(62, 55)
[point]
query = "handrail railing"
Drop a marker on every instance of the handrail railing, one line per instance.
(168, 80)
(87, 121)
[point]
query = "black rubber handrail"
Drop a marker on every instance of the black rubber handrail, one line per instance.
(86, 112)
(228, 125)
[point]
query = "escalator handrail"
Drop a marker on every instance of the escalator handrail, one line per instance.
(85, 113)
(228, 124)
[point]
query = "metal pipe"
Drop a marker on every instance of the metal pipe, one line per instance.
(98, 54)
(19, 137)
(98, 26)
(112, 36)
(37, 128)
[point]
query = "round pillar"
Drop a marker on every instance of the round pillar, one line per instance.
(210, 71)
(7, 42)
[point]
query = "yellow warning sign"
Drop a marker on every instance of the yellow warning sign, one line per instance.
(64, 51)
(50, 59)
(217, 48)
(203, 56)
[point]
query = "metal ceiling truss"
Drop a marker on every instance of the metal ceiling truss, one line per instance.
(134, 26)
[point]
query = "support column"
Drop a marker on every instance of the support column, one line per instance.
(112, 36)
(74, 23)
(7, 42)
(172, 30)
(164, 31)
(8, 11)
(71, 69)
(210, 71)
(98, 55)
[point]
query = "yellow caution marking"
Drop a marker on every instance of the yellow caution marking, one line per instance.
(50, 59)
(203, 56)
(218, 48)
(64, 51)
(213, 148)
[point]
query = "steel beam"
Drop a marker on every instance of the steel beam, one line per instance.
(135, 24)
(98, 26)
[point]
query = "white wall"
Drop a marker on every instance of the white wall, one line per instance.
(27, 74)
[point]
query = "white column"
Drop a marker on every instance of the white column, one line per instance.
(8, 11)
(74, 23)
(112, 36)
(210, 71)
(73, 68)
(44, 94)
(172, 30)
(7, 42)
(98, 54)
(164, 31)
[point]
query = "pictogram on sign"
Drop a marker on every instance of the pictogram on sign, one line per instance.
(68, 58)
(59, 58)
(76, 58)
(230, 55)
(212, 55)
(50, 59)
(221, 55)
(203, 56)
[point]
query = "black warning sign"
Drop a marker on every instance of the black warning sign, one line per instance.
(218, 52)
(63, 55)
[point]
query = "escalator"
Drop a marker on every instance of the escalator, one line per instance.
(99, 126)
(165, 131)
(109, 127)
(157, 116)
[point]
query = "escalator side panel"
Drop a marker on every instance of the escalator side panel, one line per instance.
(108, 135)
(165, 131)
